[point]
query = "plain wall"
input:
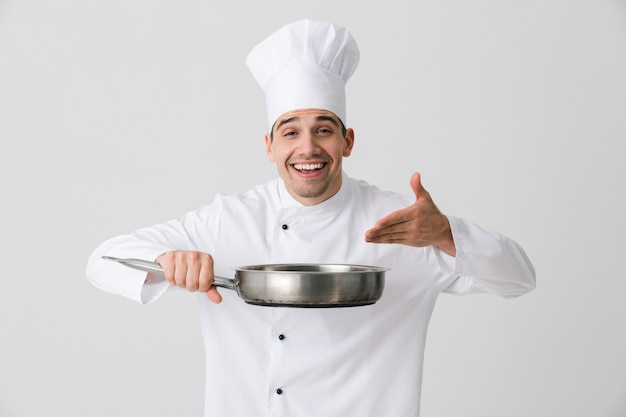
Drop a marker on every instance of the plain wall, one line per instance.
(116, 115)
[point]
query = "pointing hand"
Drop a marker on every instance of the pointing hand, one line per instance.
(420, 224)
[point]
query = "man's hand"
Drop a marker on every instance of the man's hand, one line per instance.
(190, 270)
(421, 224)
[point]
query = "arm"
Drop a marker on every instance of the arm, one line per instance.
(180, 247)
(472, 259)
(117, 279)
(486, 262)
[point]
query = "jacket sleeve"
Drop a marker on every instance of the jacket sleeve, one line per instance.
(486, 262)
(195, 231)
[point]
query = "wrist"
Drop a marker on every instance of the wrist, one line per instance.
(446, 243)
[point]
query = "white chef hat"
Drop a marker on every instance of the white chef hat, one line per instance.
(305, 64)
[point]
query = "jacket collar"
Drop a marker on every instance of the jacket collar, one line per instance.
(287, 201)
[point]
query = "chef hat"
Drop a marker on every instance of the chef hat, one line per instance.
(305, 64)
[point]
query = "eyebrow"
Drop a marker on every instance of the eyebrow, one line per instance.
(285, 121)
(321, 118)
(324, 118)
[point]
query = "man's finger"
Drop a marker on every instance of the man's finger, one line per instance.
(205, 278)
(378, 234)
(180, 275)
(191, 280)
(397, 217)
(213, 295)
(421, 194)
(416, 185)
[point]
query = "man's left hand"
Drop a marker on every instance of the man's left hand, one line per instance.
(420, 224)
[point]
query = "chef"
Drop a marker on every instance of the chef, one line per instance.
(325, 362)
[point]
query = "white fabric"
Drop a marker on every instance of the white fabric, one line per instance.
(305, 64)
(360, 361)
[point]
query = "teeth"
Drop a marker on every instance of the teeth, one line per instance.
(308, 167)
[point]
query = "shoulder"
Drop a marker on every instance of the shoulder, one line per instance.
(259, 195)
(369, 193)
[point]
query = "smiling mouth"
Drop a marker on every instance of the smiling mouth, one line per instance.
(309, 167)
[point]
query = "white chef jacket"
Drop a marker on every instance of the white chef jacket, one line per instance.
(316, 362)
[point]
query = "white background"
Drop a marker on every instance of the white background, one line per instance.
(120, 114)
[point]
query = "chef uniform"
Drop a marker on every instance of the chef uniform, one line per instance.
(322, 362)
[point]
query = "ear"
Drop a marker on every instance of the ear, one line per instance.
(268, 148)
(347, 150)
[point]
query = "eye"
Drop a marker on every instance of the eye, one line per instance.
(324, 131)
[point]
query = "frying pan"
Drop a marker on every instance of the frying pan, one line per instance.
(294, 285)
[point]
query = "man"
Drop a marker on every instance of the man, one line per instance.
(272, 361)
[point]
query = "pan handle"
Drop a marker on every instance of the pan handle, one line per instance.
(155, 268)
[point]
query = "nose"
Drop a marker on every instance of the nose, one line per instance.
(308, 144)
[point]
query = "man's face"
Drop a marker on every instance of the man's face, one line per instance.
(308, 147)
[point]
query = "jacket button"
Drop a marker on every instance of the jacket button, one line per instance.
(285, 227)
(279, 391)
(281, 337)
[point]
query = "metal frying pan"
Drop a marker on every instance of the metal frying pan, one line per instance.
(295, 285)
